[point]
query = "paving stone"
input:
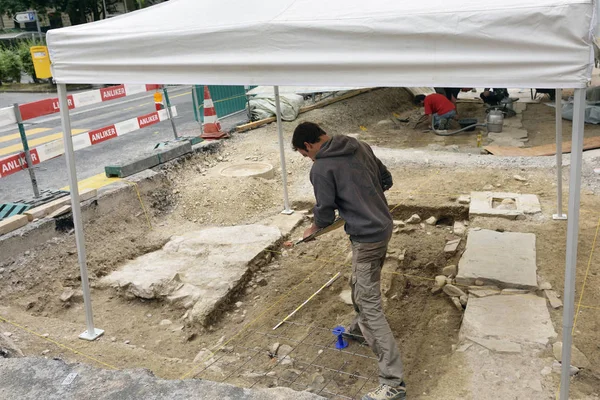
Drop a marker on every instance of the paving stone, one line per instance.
(198, 269)
(450, 270)
(485, 204)
(459, 228)
(552, 297)
(514, 291)
(508, 259)
(451, 246)
(520, 319)
(578, 359)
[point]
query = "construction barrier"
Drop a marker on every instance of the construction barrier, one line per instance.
(12, 164)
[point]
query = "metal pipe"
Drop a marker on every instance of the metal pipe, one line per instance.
(286, 202)
(91, 333)
(36, 191)
(558, 102)
(169, 113)
(572, 237)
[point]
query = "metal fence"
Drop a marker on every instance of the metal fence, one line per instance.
(227, 99)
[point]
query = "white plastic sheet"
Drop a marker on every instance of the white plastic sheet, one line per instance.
(432, 43)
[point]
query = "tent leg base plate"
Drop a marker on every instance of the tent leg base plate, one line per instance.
(561, 217)
(95, 335)
(287, 212)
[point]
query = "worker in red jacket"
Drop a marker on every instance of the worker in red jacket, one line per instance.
(437, 108)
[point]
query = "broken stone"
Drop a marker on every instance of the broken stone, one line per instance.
(7, 334)
(202, 355)
(290, 374)
(552, 297)
(45, 335)
(399, 224)
(440, 281)
(346, 297)
(479, 282)
(414, 219)
(451, 246)
(165, 322)
(514, 291)
(431, 221)
(262, 282)
(127, 342)
(459, 228)
(113, 339)
(284, 350)
(545, 286)
(45, 352)
(488, 188)
(287, 361)
(453, 291)
(578, 359)
(67, 295)
(546, 371)
(519, 178)
(507, 204)
(557, 368)
(499, 346)
(450, 281)
(239, 304)
(457, 304)
(449, 270)
(463, 300)
(464, 200)
(274, 348)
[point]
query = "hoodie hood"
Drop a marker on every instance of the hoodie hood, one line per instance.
(339, 145)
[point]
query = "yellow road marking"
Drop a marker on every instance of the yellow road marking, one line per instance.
(28, 133)
(94, 182)
(32, 143)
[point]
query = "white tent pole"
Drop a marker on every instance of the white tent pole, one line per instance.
(558, 102)
(286, 202)
(91, 333)
(572, 237)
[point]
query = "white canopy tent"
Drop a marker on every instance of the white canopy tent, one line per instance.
(447, 43)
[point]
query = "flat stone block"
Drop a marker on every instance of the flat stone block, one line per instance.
(128, 168)
(506, 258)
(11, 223)
(519, 319)
(171, 151)
(489, 204)
(197, 270)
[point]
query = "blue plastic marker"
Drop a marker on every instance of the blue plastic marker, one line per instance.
(341, 343)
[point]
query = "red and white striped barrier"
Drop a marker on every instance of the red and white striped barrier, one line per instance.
(15, 163)
(50, 106)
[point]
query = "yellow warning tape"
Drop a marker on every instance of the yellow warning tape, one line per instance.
(57, 343)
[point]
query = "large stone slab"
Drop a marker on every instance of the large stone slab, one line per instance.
(489, 204)
(197, 270)
(504, 258)
(522, 319)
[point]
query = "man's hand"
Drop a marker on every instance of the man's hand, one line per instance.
(309, 231)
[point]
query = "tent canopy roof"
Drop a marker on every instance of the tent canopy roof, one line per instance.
(460, 43)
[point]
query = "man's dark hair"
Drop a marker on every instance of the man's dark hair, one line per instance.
(306, 132)
(419, 98)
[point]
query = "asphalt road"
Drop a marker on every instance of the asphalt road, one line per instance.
(90, 161)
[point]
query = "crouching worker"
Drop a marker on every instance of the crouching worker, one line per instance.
(346, 176)
(437, 108)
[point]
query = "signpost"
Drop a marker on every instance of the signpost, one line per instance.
(29, 16)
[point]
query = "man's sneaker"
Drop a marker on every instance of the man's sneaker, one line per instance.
(385, 392)
(355, 337)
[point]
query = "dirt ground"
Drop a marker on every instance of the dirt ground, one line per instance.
(236, 348)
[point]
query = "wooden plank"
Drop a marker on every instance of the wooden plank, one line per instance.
(63, 210)
(255, 124)
(11, 223)
(544, 150)
(48, 208)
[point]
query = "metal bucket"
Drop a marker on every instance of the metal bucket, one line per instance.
(494, 121)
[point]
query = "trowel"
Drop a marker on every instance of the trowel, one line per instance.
(336, 224)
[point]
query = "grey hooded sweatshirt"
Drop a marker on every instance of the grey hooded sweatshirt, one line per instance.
(348, 177)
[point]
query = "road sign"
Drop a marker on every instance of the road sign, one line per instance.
(28, 16)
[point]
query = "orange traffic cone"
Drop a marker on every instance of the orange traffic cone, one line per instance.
(211, 127)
